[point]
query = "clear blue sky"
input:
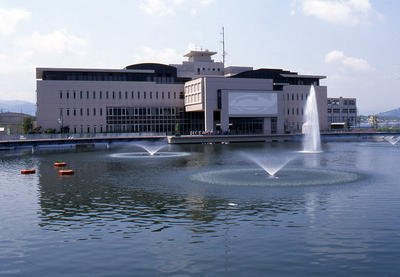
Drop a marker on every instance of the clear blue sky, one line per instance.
(355, 43)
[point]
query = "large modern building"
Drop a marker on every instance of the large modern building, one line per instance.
(342, 110)
(198, 95)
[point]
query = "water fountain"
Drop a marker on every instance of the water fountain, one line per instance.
(271, 164)
(151, 147)
(312, 139)
(392, 140)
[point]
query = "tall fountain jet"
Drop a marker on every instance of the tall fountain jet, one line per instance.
(312, 139)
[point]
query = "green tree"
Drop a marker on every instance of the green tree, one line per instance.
(373, 121)
(347, 124)
(27, 125)
(177, 129)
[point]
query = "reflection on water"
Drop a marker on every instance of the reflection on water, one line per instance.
(152, 217)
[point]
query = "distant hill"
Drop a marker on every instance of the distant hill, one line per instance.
(17, 106)
(390, 114)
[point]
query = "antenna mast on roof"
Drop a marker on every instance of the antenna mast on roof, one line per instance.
(223, 46)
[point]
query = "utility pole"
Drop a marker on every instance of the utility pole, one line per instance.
(223, 46)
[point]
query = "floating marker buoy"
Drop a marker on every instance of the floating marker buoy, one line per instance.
(60, 164)
(66, 172)
(28, 171)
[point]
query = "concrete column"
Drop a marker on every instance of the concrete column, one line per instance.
(209, 119)
(280, 120)
(208, 111)
(267, 125)
(224, 112)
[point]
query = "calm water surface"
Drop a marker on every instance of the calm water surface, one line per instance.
(123, 216)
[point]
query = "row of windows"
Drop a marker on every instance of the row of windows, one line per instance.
(119, 95)
(294, 126)
(208, 69)
(345, 102)
(342, 111)
(193, 98)
(81, 112)
(192, 88)
(143, 111)
(165, 124)
(298, 111)
(296, 96)
(110, 76)
(341, 119)
(131, 111)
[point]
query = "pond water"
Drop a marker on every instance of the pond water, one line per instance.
(202, 210)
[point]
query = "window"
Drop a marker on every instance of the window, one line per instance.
(131, 94)
(156, 94)
(80, 94)
(297, 111)
(60, 94)
(74, 112)
(67, 95)
(119, 95)
(87, 111)
(287, 96)
(101, 111)
(81, 112)
(94, 111)
(292, 96)
(302, 97)
(74, 95)
(174, 94)
(292, 111)
(67, 112)
(144, 95)
(126, 95)
(162, 95)
(138, 94)
(94, 95)
(113, 95)
(151, 95)
(106, 94)
(288, 111)
(100, 94)
(87, 94)
(169, 95)
(297, 97)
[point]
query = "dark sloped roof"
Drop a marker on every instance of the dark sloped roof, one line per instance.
(159, 69)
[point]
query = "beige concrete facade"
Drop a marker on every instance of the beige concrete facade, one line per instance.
(295, 97)
(342, 109)
(194, 96)
(82, 105)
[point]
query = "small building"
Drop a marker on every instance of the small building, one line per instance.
(11, 123)
(342, 110)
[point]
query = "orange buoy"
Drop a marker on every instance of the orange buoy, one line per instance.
(66, 172)
(60, 164)
(28, 171)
